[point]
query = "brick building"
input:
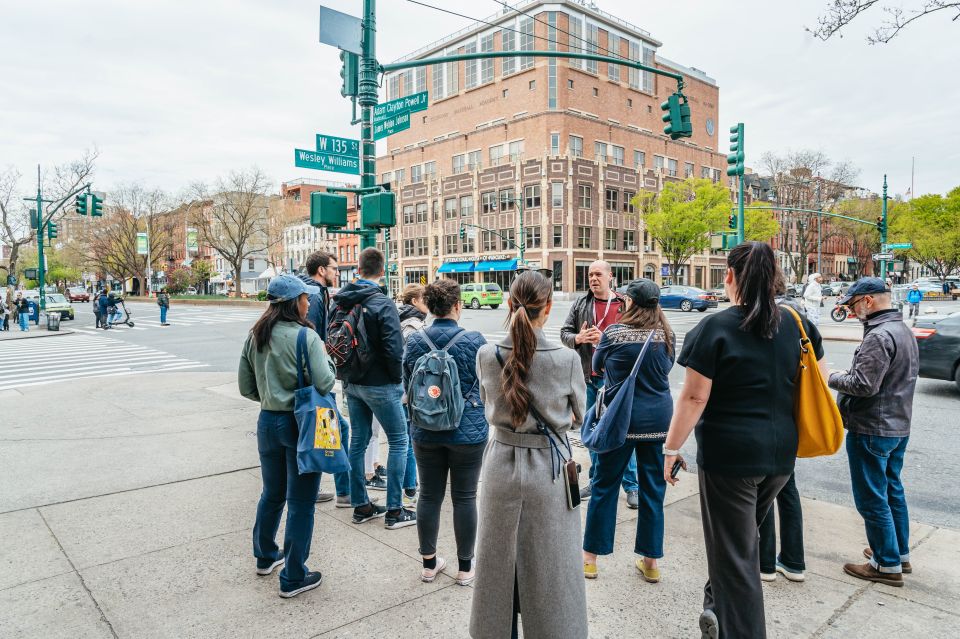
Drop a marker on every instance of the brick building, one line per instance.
(572, 141)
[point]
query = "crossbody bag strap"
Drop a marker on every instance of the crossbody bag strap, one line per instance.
(804, 340)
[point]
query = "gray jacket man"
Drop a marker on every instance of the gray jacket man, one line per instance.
(876, 401)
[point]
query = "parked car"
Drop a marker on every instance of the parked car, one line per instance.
(57, 303)
(190, 291)
(483, 294)
(720, 293)
(938, 338)
(837, 287)
(78, 294)
(687, 298)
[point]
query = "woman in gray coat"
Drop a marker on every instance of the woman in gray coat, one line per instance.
(528, 551)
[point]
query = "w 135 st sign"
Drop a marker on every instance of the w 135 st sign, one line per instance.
(341, 155)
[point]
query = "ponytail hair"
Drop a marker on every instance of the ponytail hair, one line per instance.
(758, 277)
(529, 295)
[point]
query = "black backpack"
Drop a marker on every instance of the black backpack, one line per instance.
(348, 344)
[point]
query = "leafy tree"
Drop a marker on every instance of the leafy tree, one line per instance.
(840, 13)
(202, 272)
(179, 279)
(932, 224)
(863, 240)
(682, 216)
(760, 225)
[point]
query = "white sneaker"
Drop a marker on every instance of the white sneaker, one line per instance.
(768, 576)
(791, 575)
(427, 575)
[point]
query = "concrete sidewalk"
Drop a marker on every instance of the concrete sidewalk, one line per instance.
(127, 511)
(35, 331)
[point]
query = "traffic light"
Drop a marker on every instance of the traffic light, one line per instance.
(96, 209)
(686, 127)
(349, 73)
(81, 204)
(735, 159)
(51, 230)
(732, 221)
(463, 232)
(880, 225)
(34, 222)
(671, 115)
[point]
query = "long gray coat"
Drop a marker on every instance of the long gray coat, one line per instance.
(525, 527)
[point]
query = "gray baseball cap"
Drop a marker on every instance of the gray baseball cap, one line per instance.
(644, 293)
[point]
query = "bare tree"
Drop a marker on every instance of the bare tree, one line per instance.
(236, 224)
(806, 179)
(15, 230)
(840, 13)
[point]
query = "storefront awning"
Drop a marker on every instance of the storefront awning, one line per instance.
(456, 267)
(496, 265)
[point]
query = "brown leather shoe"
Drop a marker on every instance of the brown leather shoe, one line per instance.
(869, 573)
(905, 566)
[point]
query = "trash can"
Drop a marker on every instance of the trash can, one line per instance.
(53, 321)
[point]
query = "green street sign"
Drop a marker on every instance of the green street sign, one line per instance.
(406, 104)
(326, 162)
(898, 247)
(391, 125)
(338, 146)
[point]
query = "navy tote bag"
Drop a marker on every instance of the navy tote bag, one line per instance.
(319, 446)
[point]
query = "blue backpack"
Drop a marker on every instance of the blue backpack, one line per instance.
(433, 392)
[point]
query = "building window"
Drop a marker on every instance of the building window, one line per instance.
(585, 195)
(393, 89)
(507, 199)
(508, 240)
(633, 75)
(556, 194)
(551, 30)
(416, 174)
(611, 199)
(430, 170)
(408, 248)
(672, 167)
(526, 42)
(639, 159)
(421, 246)
(647, 75)
(385, 177)
(516, 150)
(576, 146)
(584, 237)
(617, 155)
(421, 212)
(250, 264)
(408, 214)
(459, 162)
(610, 239)
(469, 244)
(613, 46)
(508, 43)
(554, 144)
(437, 80)
(505, 92)
(629, 243)
(552, 83)
(596, 92)
(451, 244)
(466, 205)
(406, 82)
(436, 210)
(622, 273)
(496, 154)
(470, 66)
(629, 103)
(600, 151)
(531, 196)
(473, 160)
(658, 162)
(398, 175)
(532, 85)
(705, 172)
(486, 64)
(421, 79)
(628, 201)
(688, 169)
(716, 175)
(450, 208)
(576, 35)
(489, 241)
(488, 202)
(532, 237)
(557, 235)
(570, 82)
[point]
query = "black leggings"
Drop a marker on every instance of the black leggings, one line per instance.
(462, 464)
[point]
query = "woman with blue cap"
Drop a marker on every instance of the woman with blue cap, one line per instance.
(268, 374)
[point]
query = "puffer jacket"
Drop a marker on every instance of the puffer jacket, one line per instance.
(473, 425)
(412, 320)
(876, 395)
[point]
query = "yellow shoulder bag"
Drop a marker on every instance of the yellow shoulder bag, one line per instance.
(819, 425)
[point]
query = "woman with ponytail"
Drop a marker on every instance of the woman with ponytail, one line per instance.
(528, 551)
(738, 393)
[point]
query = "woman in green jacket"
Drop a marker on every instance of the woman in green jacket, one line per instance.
(268, 374)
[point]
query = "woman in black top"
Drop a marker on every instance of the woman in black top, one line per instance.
(738, 391)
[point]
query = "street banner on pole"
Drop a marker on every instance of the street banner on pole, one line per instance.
(142, 244)
(192, 243)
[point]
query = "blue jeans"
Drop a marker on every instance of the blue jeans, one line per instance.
(630, 475)
(875, 465)
(341, 481)
(364, 402)
(410, 471)
(602, 511)
(283, 484)
(163, 314)
(23, 321)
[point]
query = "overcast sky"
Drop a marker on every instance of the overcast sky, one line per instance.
(182, 90)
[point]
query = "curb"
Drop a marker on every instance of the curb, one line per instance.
(38, 334)
(210, 303)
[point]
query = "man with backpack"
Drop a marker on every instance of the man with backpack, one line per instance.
(365, 341)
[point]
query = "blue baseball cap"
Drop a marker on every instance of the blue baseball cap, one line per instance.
(287, 287)
(864, 286)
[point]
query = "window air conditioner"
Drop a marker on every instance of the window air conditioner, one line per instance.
(393, 256)
(632, 247)
(436, 252)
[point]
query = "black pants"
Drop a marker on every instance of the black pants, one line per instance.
(791, 532)
(462, 464)
(732, 508)
(97, 315)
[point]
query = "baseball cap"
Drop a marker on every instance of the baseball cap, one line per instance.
(864, 286)
(288, 287)
(644, 293)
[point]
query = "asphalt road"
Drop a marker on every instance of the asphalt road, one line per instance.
(213, 337)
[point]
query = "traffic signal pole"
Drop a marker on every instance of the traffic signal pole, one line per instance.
(367, 97)
(883, 230)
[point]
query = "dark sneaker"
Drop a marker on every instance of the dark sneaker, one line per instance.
(267, 566)
(377, 483)
(709, 626)
(324, 496)
(399, 519)
(585, 493)
(363, 514)
(633, 500)
(310, 581)
(868, 573)
(905, 566)
(380, 471)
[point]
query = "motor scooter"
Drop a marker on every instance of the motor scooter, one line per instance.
(841, 312)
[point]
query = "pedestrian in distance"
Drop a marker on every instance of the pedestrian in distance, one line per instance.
(529, 542)
(4, 316)
(746, 450)
(163, 301)
(914, 297)
(875, 397)
(616, 355)
(96, 308)
(23, 311)
(103, 303)
(813, 297)
(322, 273)
(455, 451)
(268, 374)
(588, 318)
(373, 385)
(413, 315)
